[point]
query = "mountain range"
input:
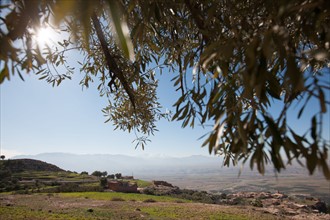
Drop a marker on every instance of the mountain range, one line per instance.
(153, 166)
(144, 166)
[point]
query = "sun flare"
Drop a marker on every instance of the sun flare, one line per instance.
(45, 36)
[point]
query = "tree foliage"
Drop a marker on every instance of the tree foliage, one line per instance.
(118, 176)
(232, 61)
(97, 173)
(103, 182)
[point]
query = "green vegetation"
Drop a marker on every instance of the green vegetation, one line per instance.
(142, 183)
(20, 165)
(103, 182)
(15, 213)
(99, 173)
(92, 184)
(175, 212)
(124, 196)
(123, 212)
(28, 176)
(51, 175)
(55, 206)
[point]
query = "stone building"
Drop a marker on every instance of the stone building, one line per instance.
(122, 186)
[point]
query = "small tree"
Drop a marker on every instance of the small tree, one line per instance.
(105, 173)
(104, 182)
(84, 173)
(2, 157)
(97, 173)
(118, 176)
(111, 176)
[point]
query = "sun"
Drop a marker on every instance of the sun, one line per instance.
(45, 36)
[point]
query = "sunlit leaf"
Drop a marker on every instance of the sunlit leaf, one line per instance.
(121, 30)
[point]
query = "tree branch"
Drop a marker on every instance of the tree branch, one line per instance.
(111, 62)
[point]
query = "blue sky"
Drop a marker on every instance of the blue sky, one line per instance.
(37, 118)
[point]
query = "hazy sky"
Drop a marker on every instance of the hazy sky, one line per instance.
(37, 118)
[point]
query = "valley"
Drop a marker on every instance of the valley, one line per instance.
(33, 189)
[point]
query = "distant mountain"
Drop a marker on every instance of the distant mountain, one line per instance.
(153, 167)
(128, 164)
(20, 165)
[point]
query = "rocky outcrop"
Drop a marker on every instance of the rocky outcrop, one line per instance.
(276, 203)
(320, 206)
(160, 190)
(158, 183)
(297, 207)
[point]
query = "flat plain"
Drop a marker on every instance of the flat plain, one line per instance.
(291, 182)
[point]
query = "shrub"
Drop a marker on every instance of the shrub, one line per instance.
(111, 176)
(149, 191)
(103, 182)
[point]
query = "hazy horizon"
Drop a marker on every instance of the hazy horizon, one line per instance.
(148, 162)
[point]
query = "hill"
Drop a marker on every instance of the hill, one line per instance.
(21, 165)
(28, 175)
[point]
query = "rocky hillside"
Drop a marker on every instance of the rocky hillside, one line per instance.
(275, 203)
(20, 165)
